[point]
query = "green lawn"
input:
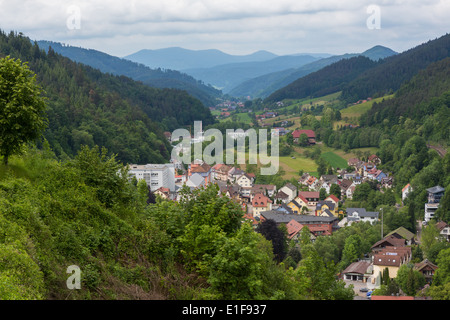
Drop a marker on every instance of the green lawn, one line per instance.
(241, 117)
(357, 110)
(334, 160)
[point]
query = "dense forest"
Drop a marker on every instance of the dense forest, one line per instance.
(327, 80)
(157, 78)
(87, 107)
(395, 70)
(359, 79)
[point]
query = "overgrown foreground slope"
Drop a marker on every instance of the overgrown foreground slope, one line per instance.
(81, 212)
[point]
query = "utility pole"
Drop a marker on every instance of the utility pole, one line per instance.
(381, 209)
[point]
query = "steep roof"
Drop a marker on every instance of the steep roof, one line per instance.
(260, 200)
(293, 227)
(404, 233)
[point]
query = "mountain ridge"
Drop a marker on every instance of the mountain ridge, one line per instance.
(263, 86)
(153, 77)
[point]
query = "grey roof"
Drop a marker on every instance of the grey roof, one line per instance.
(290, 186)
(436, 189)
(362, 213)
(280, 217)
(196, 180)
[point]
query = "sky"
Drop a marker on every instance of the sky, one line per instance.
(237, 27)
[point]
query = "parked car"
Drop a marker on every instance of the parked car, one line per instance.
(363, 290)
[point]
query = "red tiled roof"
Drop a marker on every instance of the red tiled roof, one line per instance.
(293, 227)
(309, 133)
(260, 200)
(333, 197)
(309, 194)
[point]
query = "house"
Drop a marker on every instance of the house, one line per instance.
(290, 190)
(334, 199)
(195, 181)
(312, 197)
(234, 173)
(302, 202)
(427, 268)
(357, 271)
(434, 197)
(391, 258)
(220, 172)
(444, 230)
(267, 189)
(344, 184)
(353, 162)
(380, 175)
(294, 229)
(284, 208)
(360, 214)
(388, 241)
(350, 191)
(403, 233)
(317, 225)
(261, 203)
(203, 169)
(309, 134)
(323, 206)
(164, 193)
(281, 197)
(295, 207)
(244, 181)
(406, 191)
(374, 159)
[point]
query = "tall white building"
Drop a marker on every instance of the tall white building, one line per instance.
(156, 175)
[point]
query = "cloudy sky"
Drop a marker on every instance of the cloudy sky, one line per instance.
(121, 27)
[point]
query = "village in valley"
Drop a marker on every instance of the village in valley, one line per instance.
(317, 202)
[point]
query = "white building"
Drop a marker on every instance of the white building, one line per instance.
(156, 175)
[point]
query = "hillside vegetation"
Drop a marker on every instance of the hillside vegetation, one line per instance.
(87, 107)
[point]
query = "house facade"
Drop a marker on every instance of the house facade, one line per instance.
(391, 258)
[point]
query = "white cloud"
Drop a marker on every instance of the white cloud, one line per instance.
(236, 26)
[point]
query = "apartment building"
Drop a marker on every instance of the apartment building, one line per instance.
(156, 175)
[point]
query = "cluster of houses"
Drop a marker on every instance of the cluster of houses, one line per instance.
(296, 209)
(361, 171)
(286, 205)
(390, 253)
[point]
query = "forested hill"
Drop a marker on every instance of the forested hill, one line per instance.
(330, 79)
(425, 100)
(87, 107)
(157, 78)
(395, 70)
(360, 81)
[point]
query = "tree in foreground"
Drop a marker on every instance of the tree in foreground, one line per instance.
(22, 107)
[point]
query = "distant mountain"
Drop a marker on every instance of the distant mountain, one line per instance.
(265, 85)
(181, 59)
(228, 76)
(153, 77)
